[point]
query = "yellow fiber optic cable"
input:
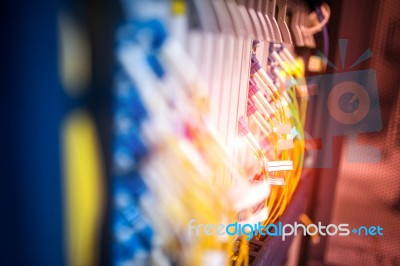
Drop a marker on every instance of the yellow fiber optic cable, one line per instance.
(83, 177)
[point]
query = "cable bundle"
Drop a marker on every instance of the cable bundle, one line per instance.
(179, 134)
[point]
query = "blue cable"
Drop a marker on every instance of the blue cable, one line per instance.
(132, 234)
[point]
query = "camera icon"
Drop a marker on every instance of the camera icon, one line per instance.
(349, 105)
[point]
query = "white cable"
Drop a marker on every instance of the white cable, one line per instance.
(326, 11)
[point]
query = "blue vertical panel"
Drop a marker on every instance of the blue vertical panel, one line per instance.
(31, 113)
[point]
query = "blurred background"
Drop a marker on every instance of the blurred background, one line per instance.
(56, 134)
